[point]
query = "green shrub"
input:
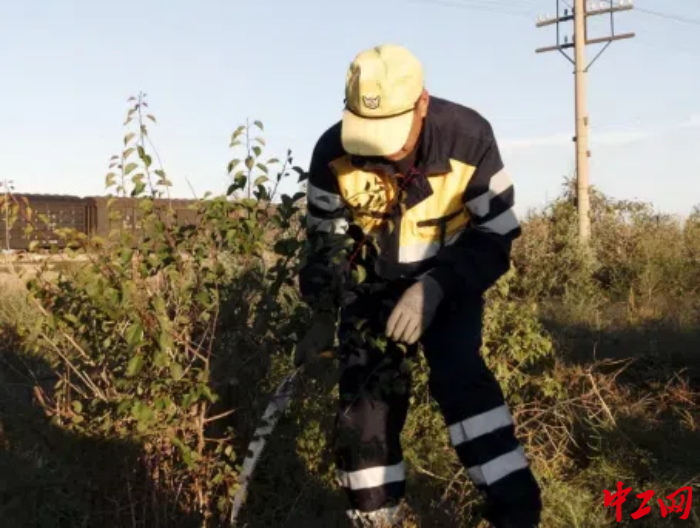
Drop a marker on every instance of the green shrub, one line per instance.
(131, 331)
(516, 346)
(638, 257)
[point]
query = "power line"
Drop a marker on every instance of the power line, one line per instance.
(489, 7)
(669, 16)
(663, 40)
(479, 5)
(694, 3)
(523, 7)
(527, 4)
(676, 47)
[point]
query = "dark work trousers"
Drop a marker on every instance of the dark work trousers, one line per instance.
(374, 394)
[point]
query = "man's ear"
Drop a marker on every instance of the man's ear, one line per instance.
(424, 102)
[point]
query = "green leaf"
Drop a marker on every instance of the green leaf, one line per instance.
(260, 180)
(161, 359)
(249, 162)
(282, 247)
(260, 140)
(302, 175)
(240, 178)
(77, 407)
(203, 297)
(123, 407)
(257, 151)
(176, 371)
(237, 133)
(134, 366)
(151, 117)
(128, 138)
(165, 341)
(232, 165)
(259, 125)
(129, 168)
(158, 303)
(206, 391)
(143, 414)
(262, 167)
(262, 193)
(184, 450)
(127, 255)
(134, 335)
(360, 274)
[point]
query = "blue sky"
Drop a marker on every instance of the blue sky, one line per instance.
(68, 67)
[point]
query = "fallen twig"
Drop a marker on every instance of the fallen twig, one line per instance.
(602, 401)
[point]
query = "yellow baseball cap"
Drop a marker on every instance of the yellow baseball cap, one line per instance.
(382, 88)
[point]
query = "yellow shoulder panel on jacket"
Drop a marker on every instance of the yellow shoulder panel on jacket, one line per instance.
(421, 229)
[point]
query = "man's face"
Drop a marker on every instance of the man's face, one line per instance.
(419, 114)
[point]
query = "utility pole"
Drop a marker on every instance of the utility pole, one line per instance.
(579, 15)
(8, 186)
(582, 152)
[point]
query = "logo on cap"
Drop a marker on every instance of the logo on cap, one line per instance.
(371, 102)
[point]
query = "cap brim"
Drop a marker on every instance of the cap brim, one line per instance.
(375, 136)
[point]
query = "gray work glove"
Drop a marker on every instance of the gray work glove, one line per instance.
(415, 311)
(318, 339)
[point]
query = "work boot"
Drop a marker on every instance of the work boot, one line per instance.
(521, 509)
(384, 518)
(513, 519)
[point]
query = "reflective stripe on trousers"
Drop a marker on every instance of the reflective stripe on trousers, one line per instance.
(374, 394)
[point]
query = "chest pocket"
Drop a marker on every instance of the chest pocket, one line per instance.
(443, 214)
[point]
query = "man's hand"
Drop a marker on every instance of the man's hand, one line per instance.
(415, 311)
(318, 339)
